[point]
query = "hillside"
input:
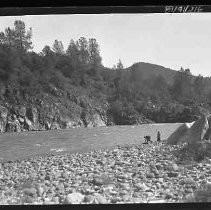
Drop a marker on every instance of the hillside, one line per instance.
(144, 70)
(59, 88)
(42, 96)
(148, 70)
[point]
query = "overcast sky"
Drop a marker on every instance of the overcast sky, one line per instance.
(170, 40)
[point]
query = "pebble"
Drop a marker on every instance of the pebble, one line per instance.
(137, 200)
(47, 201)
(159, 166)
(40, 191)
(98, 181)
(89, 198)
(133, 173)
(30, 192)
(55, 200)
(99, 199)
(150, 175)
(141, 186)
(115, 199)
(74, 198)
(157, 201)
(172, 174)
(28, 199)
(124, 186)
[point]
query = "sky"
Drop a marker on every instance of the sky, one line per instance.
(171, 40)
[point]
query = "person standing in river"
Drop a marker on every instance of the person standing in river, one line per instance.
(158, 137)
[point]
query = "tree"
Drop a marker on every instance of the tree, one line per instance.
(119, 65)
(135, 75)
(9, 62)
(209, 97)
(17, 37)
(199, 86)
(58, 47)
(82, 45)
(9, 37)
(182, 86)
(72, 49)
(159, 89)
(159, 83)
(73, 53)
(46, 51)
(22, 38)
(2, 38)
(114, 67)
(94, 53)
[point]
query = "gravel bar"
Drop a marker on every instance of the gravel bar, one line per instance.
(124, 174)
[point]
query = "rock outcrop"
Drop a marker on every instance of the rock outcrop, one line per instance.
(208, 133)
(32, 118)
(3, 118)
(192, 132)
(198, 130)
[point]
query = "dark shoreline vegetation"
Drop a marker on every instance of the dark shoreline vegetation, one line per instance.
(59, 88)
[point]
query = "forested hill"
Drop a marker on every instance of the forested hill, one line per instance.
(60, 88)
(144, 70)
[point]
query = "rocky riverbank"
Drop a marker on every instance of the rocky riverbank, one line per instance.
(127, 174)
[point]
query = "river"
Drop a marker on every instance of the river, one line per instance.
(28, 144)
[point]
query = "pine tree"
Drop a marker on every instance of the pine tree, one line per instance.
(9, 37)
(119, 65)
(83, 50)
(58, 47)
(94, 53)
(73, 53)
(22, 38)
(46, 51)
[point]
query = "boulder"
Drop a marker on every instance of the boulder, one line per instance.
(66, 122)
(207, 135)
(98, 120)
(3, 118)
(2, 126)
(47, 125)
(30, 192)
(22, 111)
(28, 125)
(92, 119)
(89, 198)
(190, 132)
(54, 126)
(190, 124)
(99, 199)
(21, 120)
(32, 114)
(95, 121)
(3, 113)
(13, 126)
(74, 198)
(198, 130)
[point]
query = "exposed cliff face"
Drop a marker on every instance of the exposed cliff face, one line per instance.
(43, 115)
(30, 118)
(48, 112)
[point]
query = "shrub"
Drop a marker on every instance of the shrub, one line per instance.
(196, 152)
(203, 194)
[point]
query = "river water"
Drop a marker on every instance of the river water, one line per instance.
(28, 144)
